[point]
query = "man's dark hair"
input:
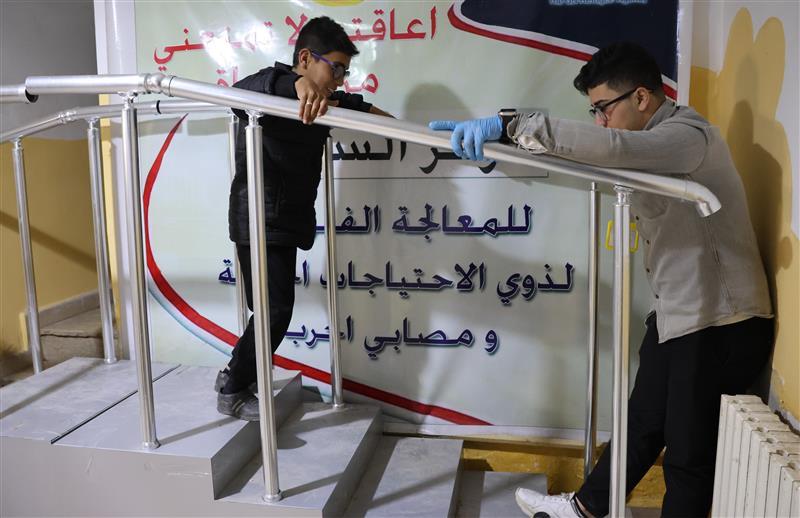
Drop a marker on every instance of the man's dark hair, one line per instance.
(323, 35)
(623, 66)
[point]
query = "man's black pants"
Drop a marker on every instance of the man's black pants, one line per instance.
(675, 403)
(281, 268)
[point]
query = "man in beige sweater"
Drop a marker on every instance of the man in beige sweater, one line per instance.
(710, 329)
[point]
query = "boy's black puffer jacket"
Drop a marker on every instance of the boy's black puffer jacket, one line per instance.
(292, 154)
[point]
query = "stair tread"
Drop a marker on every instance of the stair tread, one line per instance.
(48, 404)
(490, 494)
(409, 476)
(187, 421)
(315, 448)
(82, 325)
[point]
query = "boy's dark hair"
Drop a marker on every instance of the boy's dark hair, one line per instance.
(623, 66)
(323, 35)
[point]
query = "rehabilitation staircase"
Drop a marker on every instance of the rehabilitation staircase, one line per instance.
(70, 445)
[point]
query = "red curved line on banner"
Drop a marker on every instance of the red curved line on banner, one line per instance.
(155, 272)
(226, 336)
(381, 395)
(458, 23)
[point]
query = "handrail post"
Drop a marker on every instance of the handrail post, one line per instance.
(101, 241)
(137, 280)
(619, 432)
(333, 309)
(241, 296)
(590, 438)
(34, 340)
(258, 261)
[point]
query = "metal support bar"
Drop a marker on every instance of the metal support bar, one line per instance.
(258, 261)
(137, 280)
(590, 438)
(622, 274)
(101, 241)
(333, 310)
(241, 296)
(34, 341)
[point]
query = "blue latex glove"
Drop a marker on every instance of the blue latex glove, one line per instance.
(469, 136)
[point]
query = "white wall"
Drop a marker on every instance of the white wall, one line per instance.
(46, 37)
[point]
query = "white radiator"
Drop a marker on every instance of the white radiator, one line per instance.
(758, 462)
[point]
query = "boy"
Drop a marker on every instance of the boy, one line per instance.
(292, 154)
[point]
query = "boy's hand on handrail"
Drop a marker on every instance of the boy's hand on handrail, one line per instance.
(469, 136)
(313, 100)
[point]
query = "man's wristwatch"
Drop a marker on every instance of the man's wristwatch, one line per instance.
(506, 116)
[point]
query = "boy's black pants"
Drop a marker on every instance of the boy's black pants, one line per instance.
(675, 403)
(281, 269)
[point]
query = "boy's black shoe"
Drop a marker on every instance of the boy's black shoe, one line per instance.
(242, 405)
(222, 379)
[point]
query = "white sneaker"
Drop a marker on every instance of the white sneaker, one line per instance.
(537, 505)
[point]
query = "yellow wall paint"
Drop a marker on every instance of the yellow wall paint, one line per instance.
(60, 212)
(742, 100)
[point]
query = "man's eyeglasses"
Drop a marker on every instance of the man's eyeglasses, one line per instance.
(599, 109)
(339, 70)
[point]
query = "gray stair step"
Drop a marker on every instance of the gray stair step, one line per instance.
(409, 476)
(82, 325)
(322, 454)
(46, 406)
(78, 335)
(188, 424)
(58, 349)
(490, 494)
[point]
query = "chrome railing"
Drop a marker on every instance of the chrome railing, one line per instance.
(207, 97)
(27, 257)
(241, 297)
(590, 428)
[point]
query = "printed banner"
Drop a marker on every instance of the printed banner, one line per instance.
(578, 28)
(462, 286)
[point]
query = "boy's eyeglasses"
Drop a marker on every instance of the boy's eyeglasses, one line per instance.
(599, 109)
(339, 70)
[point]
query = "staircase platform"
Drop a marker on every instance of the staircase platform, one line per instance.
(98, 467)
(188, 424)
(47, 406)
(490, 494)
(409, 476)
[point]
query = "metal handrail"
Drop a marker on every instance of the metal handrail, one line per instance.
(91, 115)
(16, 94)
(104, 112)
(687, 190)
(624, 182)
